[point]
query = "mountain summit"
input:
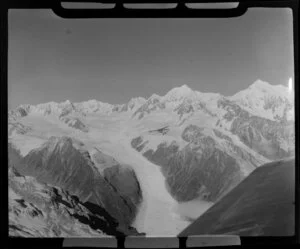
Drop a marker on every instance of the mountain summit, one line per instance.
(274, 102)
(179, 93)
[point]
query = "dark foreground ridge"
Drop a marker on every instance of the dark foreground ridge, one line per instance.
(261, 205)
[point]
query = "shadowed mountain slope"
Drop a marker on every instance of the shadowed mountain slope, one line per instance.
(261, 205)
(42, 210)
(58, 163)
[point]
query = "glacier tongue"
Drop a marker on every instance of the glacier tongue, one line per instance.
(158, 206)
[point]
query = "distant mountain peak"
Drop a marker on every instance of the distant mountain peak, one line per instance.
(264, 85)
(260, 87)
(137, 100)
(265, 99)
(179, 93)
(67, 102)
(184, 89)
(260, 83)
(92, 101)
(154, 96)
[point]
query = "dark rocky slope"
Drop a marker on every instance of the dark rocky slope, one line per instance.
(75, 123)
(207, 167)
(261, 205)
(272, 139)
(41, 210)
(190, 175)
(59, 163)
(212, 163)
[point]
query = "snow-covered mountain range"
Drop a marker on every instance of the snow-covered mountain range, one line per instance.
(181, 151)
(261, 98)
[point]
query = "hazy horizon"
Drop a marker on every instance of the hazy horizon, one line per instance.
(110, 60)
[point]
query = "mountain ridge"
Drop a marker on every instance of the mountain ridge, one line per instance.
(175, 94)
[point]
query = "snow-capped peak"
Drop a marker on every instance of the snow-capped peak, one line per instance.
(184, 88)
(93, 106)
(154, 96)
(53, 108)
(261, 89)
(264, 99)
(261, 98)
(67, 102)
(268, 88)
(260, 84)
(179, 93)
(137, 101)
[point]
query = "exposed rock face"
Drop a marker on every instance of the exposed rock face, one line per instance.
(40, 210)
(233, 110)
(137, 143)
(240, 140)
(212, 163)
(250, 129)
(60, 164)
(184, 108)
(17, 127)
(269, 138)
(124, 181)
(163, 131)
(19, 112)
(152, 104)
(272, 139)
(192, 133)
(132, 105)
(203, 168)
(190, 174)
(261, 205)
(75, 123)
